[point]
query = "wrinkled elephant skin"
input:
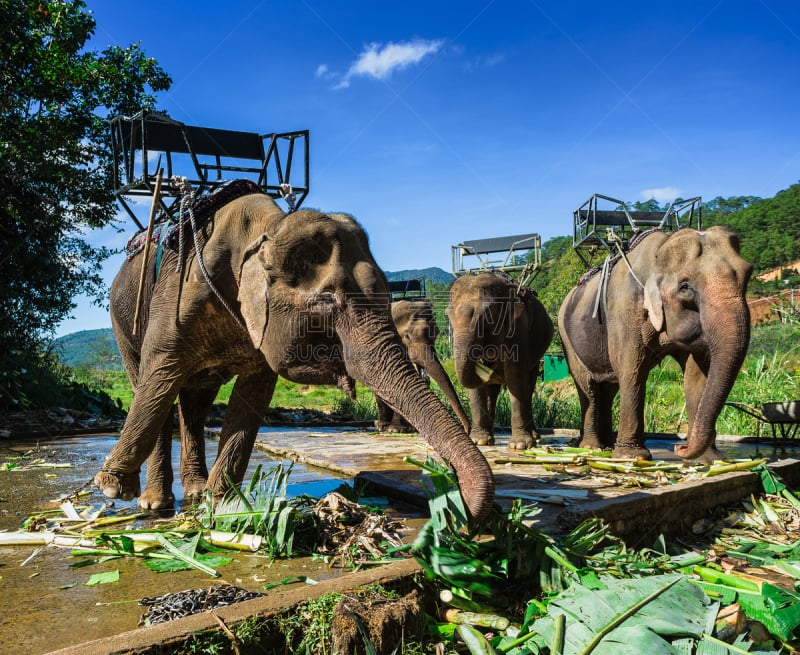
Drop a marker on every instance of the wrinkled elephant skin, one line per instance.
(304, 299)
(684, 297)
(500, 333)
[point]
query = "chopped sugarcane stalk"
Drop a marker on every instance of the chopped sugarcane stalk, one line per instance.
(24, 538)
(738, 466)
(563, 493)
(495, 621)
(460, 601)
(559, 626)
(544, 459)
(233, 540)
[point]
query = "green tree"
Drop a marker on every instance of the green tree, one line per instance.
(561, 270)
(55, 163)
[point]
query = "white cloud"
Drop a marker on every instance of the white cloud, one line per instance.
(380, 61)
(321, 71)
(484, 62)
(662, 194)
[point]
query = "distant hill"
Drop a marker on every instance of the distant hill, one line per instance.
(92, 348)
(433, 274)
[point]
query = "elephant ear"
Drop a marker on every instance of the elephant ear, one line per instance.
(254, 292)
(653, 304)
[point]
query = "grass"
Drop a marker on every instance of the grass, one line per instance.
(770, 372)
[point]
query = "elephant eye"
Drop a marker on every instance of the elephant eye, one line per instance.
(685, 292)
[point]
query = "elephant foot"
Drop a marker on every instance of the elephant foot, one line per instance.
(632, 452)
(118, 484)
(481, 437)
(156, 499)
(394, 428)
(522, 441)
(709, 457)
(591, 443)
(193, 488)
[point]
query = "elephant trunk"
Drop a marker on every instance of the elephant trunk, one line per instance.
(376, 357)
(435, 369)
(466, 371)
(728, 337)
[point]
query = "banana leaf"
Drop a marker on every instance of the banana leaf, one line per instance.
(777, 608)
(630, 617)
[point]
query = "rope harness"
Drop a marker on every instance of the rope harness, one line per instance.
(608, 264)
(187, 207)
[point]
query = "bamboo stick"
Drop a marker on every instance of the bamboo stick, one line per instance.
(145, 255)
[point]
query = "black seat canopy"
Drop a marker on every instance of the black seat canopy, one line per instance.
(207, 157)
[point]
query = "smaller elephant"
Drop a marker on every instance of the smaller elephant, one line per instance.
(418, 331)
(500, 333)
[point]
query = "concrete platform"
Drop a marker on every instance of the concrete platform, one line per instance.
(638, 516)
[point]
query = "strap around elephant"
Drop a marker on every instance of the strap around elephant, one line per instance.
(187, 195)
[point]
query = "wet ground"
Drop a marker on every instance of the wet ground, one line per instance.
(46, 603)
(48, 606)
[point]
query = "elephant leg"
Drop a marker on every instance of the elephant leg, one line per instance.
(193, 409)
(150, 409)
(630, 434)
(523, 433)
(591, 425)
(157, 492)
(250, 398)
(482, 402)
(605, 420)
(695, 377)
(389, 420)
(399, 425)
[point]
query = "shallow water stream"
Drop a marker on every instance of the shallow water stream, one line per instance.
(46, 603)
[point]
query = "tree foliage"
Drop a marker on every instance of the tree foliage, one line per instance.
(769, 228)
(55, 161)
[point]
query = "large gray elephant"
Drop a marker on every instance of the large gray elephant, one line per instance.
(417, 328)
(297, 295)
(684, 296)
(500, 333)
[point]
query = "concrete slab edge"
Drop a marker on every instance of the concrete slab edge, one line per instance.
(157, 638)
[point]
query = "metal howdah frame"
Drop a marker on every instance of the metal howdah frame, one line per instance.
(207, 157)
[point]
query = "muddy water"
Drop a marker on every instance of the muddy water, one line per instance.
(46, 604)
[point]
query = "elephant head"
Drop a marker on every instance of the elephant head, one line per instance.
(418, 331)
(316, 305)
(694, 296)
(481, 311)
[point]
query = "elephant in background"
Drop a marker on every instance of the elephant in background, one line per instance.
(297, 295)
(684, 296)
(500, 333)
(417, 328)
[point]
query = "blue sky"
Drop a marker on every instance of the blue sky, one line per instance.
(435, 122)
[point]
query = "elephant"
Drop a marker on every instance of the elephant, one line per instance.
(500, 333)
(681, 294)
(264, 293)
(417, 328)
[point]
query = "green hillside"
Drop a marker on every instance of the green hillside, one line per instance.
(92, 348)
(432, 274)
